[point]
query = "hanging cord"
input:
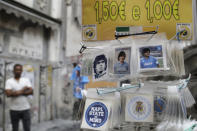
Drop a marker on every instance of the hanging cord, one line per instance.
(142, 33)
(157, 28)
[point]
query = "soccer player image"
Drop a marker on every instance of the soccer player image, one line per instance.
(121, 67)
(100, 66)
(148, 61)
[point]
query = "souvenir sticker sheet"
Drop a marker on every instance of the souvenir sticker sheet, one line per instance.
(121, 65)
(96, 114)
(139, 108)
(100, 67)
(151, 57)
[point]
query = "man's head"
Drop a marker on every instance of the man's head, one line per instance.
(78, 71)
(121, 56)
(146, 52)
(17, 70)
(100, 64)
(74, 65)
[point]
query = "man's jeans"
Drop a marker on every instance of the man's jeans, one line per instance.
(24, 116)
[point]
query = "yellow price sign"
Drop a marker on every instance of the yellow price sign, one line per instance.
(105, 15)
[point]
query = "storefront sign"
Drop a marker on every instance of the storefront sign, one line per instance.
(18, 47)
(109, 14)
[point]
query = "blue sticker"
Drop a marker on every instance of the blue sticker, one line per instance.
(139, 108)
(96, 114)
(159, 105)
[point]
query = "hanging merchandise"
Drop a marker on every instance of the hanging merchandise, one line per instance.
(96, 115)
(176, 57)
(185, 93)
(159, 104)
(101, 112)
(120, 62)
(138, 104)
(151, 57)
(109, 62)
(86, 64)
(175, 115)
(187, 97)
(100, 66)
(156, 58)
(139, 108)
(133, 58)
(143, 106)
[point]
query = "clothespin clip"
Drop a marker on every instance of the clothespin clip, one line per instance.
(83, 47)
(107, 91)
(191, 128)
(184, 82)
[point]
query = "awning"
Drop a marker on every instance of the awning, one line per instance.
(27, 15)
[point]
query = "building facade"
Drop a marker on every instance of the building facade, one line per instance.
(32, 33)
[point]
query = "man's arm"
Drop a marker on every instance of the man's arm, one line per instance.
(28, 90)
(11, 93)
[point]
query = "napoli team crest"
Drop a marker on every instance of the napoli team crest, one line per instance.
(89, 32)
(187, 31)
(96, 114)
(139, 108)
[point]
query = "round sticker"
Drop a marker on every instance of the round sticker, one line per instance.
(186, 34)
(89, 33)
(139, 108)
(96, 114)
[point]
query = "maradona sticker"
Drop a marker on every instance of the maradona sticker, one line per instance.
(96, 114)
(140, 109)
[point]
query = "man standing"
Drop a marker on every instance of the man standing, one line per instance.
(75, 67)
(18, 88)
(78, 87)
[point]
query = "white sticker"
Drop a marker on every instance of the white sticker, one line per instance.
(139, 108)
